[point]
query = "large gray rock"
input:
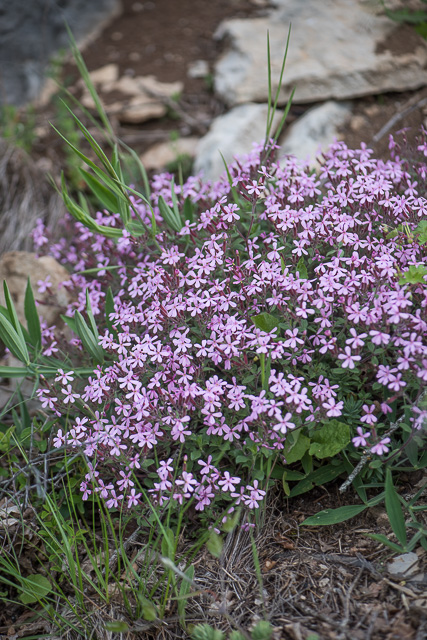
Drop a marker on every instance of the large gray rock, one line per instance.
(315, 131)
(32, 31)
(338, 49)
(231, 135)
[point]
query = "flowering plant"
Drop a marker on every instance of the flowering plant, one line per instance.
(275, 317)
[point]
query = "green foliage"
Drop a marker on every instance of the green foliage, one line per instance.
(18, 126)
(417, 18)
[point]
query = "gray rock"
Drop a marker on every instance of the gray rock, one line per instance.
(337, 50)
(405, 565)
(230, 135)
(315, 131)
(32, 31)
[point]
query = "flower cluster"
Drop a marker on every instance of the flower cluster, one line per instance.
(282, 300)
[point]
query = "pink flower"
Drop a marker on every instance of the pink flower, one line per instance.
(133, 498)
(348, 359)
(360, 440)
(381, 447)
(369, 418)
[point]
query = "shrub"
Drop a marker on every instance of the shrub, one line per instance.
(273, 317)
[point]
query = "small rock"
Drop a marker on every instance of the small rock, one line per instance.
(160, 155)
(315, 131)
(108, 73)
(357, 122)
(231, 135)
(136, 110)
(198, 69)
(405, 565)
(143, 97)
(17, 266)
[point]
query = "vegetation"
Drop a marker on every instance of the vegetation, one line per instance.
(222, 338)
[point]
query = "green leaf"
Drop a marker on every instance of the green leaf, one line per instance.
(109, 309)
(184, 590)
(171, 219)
(70, 322)
(32, 317)
(394, 509)
(215, 544)
(13, 341)
(168, 544)
(302, 269)
(35, 587)
(293, 452)
(414, 275)
(118, 626)
(332, 438)
(93, 326)
(265, 321)
(81, 216)
(136, 228)
(188, 210)
(318, 477)
(88, 339)
(334, 516)
(148, 609)
(384, 540)
(107, 199)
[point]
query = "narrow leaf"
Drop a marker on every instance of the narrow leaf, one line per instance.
(394, 509)
(88, 339)
(32, 317)
(104, 195)
(14, 342)
(334, 516)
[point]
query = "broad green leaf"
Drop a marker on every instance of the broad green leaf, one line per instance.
(14, 342)
(302, 269)
(32, 317)
(88, 339)
(414, 275)
(332, 438)
(334, 516)
(316, 478)
(148, 609)
(35, 587)
(394, 509)
(168, 544)
(107, 199)
(265, 321)
(294, 452)
(215, 544)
